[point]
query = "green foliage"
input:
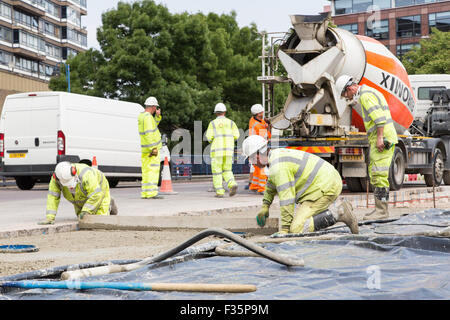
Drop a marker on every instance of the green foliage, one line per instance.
(431, 57)
(189, 62)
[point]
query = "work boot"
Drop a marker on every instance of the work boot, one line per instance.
(114, 210)
(219, 196)
(233, 190)
(158, 197)
(345, 215)
(381, 211)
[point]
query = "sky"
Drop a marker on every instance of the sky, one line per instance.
(269, 15)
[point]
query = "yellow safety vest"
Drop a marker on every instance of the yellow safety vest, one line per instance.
(149, 132)
(221, 133)
(376, 113)
(89, 194)
(298, 176)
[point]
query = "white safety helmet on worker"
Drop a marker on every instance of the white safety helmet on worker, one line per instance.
(66, 173)
(151, 102)
(257, 109)
(253, 144)
(220, 108)
(342, 83)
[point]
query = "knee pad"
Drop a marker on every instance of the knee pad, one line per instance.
(324, 220)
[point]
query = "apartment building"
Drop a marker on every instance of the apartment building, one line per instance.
(398, 24)
(36, 36)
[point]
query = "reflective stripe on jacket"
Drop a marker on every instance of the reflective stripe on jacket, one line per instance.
(298, 176)
(149, 132)
(376, 113)
(221, 133)
(256, 127)
(89, 192)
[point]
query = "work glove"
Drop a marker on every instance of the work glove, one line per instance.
(82, 214)
(154, 153)
(48, 221)
(262, 216)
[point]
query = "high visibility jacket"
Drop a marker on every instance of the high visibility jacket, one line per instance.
(149, 132)
(221, 133)
(298, 176)
(257, 127)
(376, 113)
(89, 194)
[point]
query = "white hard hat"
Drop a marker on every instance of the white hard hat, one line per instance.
(253, 144)
(152, 101)
(66, 173)
(342, 83)
(257, 109)
(220, 107)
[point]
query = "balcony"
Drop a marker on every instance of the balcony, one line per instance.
(30, 6)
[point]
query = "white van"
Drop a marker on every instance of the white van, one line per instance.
(422, 84)
(39, 130)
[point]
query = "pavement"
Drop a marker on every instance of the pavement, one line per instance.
(192, 207)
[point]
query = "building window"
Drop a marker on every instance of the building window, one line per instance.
(25, 19)
(5, 34)
(354, 6)
(52, 9)
(379, 30)
(343, 6)
(52, 51)
(404, 3)
(5, 11)
(5, 58)
(352, 27)
(50, 29)
(409, 27)
(402, 49)
(440, 20)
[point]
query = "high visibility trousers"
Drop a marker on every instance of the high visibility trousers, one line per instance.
(150, 175)
(105, 206)
(221, 168)
(303, 220)
(379, 165)
(259, 180)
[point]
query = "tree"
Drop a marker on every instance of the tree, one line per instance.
(431, 57)
(189, 62)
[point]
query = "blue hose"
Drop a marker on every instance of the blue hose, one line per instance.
(77, 285)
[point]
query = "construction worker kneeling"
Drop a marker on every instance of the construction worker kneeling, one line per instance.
(299, 178)
(85, 187)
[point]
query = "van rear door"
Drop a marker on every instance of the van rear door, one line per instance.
(31, 127)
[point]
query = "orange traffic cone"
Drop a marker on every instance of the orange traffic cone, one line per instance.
(94, 163)
(166, 181)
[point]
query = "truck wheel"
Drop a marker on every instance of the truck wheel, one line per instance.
(397, 170)
(25, 183)
(447, 178)
(353, 184)
(436, 177)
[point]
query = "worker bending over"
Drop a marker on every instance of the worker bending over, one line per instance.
(382, 139)
(85, 187)
(222, 134)
(299, 178)
(151, 144)
(258, 126)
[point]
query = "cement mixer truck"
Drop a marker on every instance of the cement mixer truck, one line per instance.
(314, 54)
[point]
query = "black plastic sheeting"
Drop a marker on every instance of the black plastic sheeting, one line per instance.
(373, 265)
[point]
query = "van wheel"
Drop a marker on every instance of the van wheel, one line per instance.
(113, 183)
(25, 183)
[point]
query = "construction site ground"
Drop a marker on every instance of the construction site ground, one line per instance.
(146, 228)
